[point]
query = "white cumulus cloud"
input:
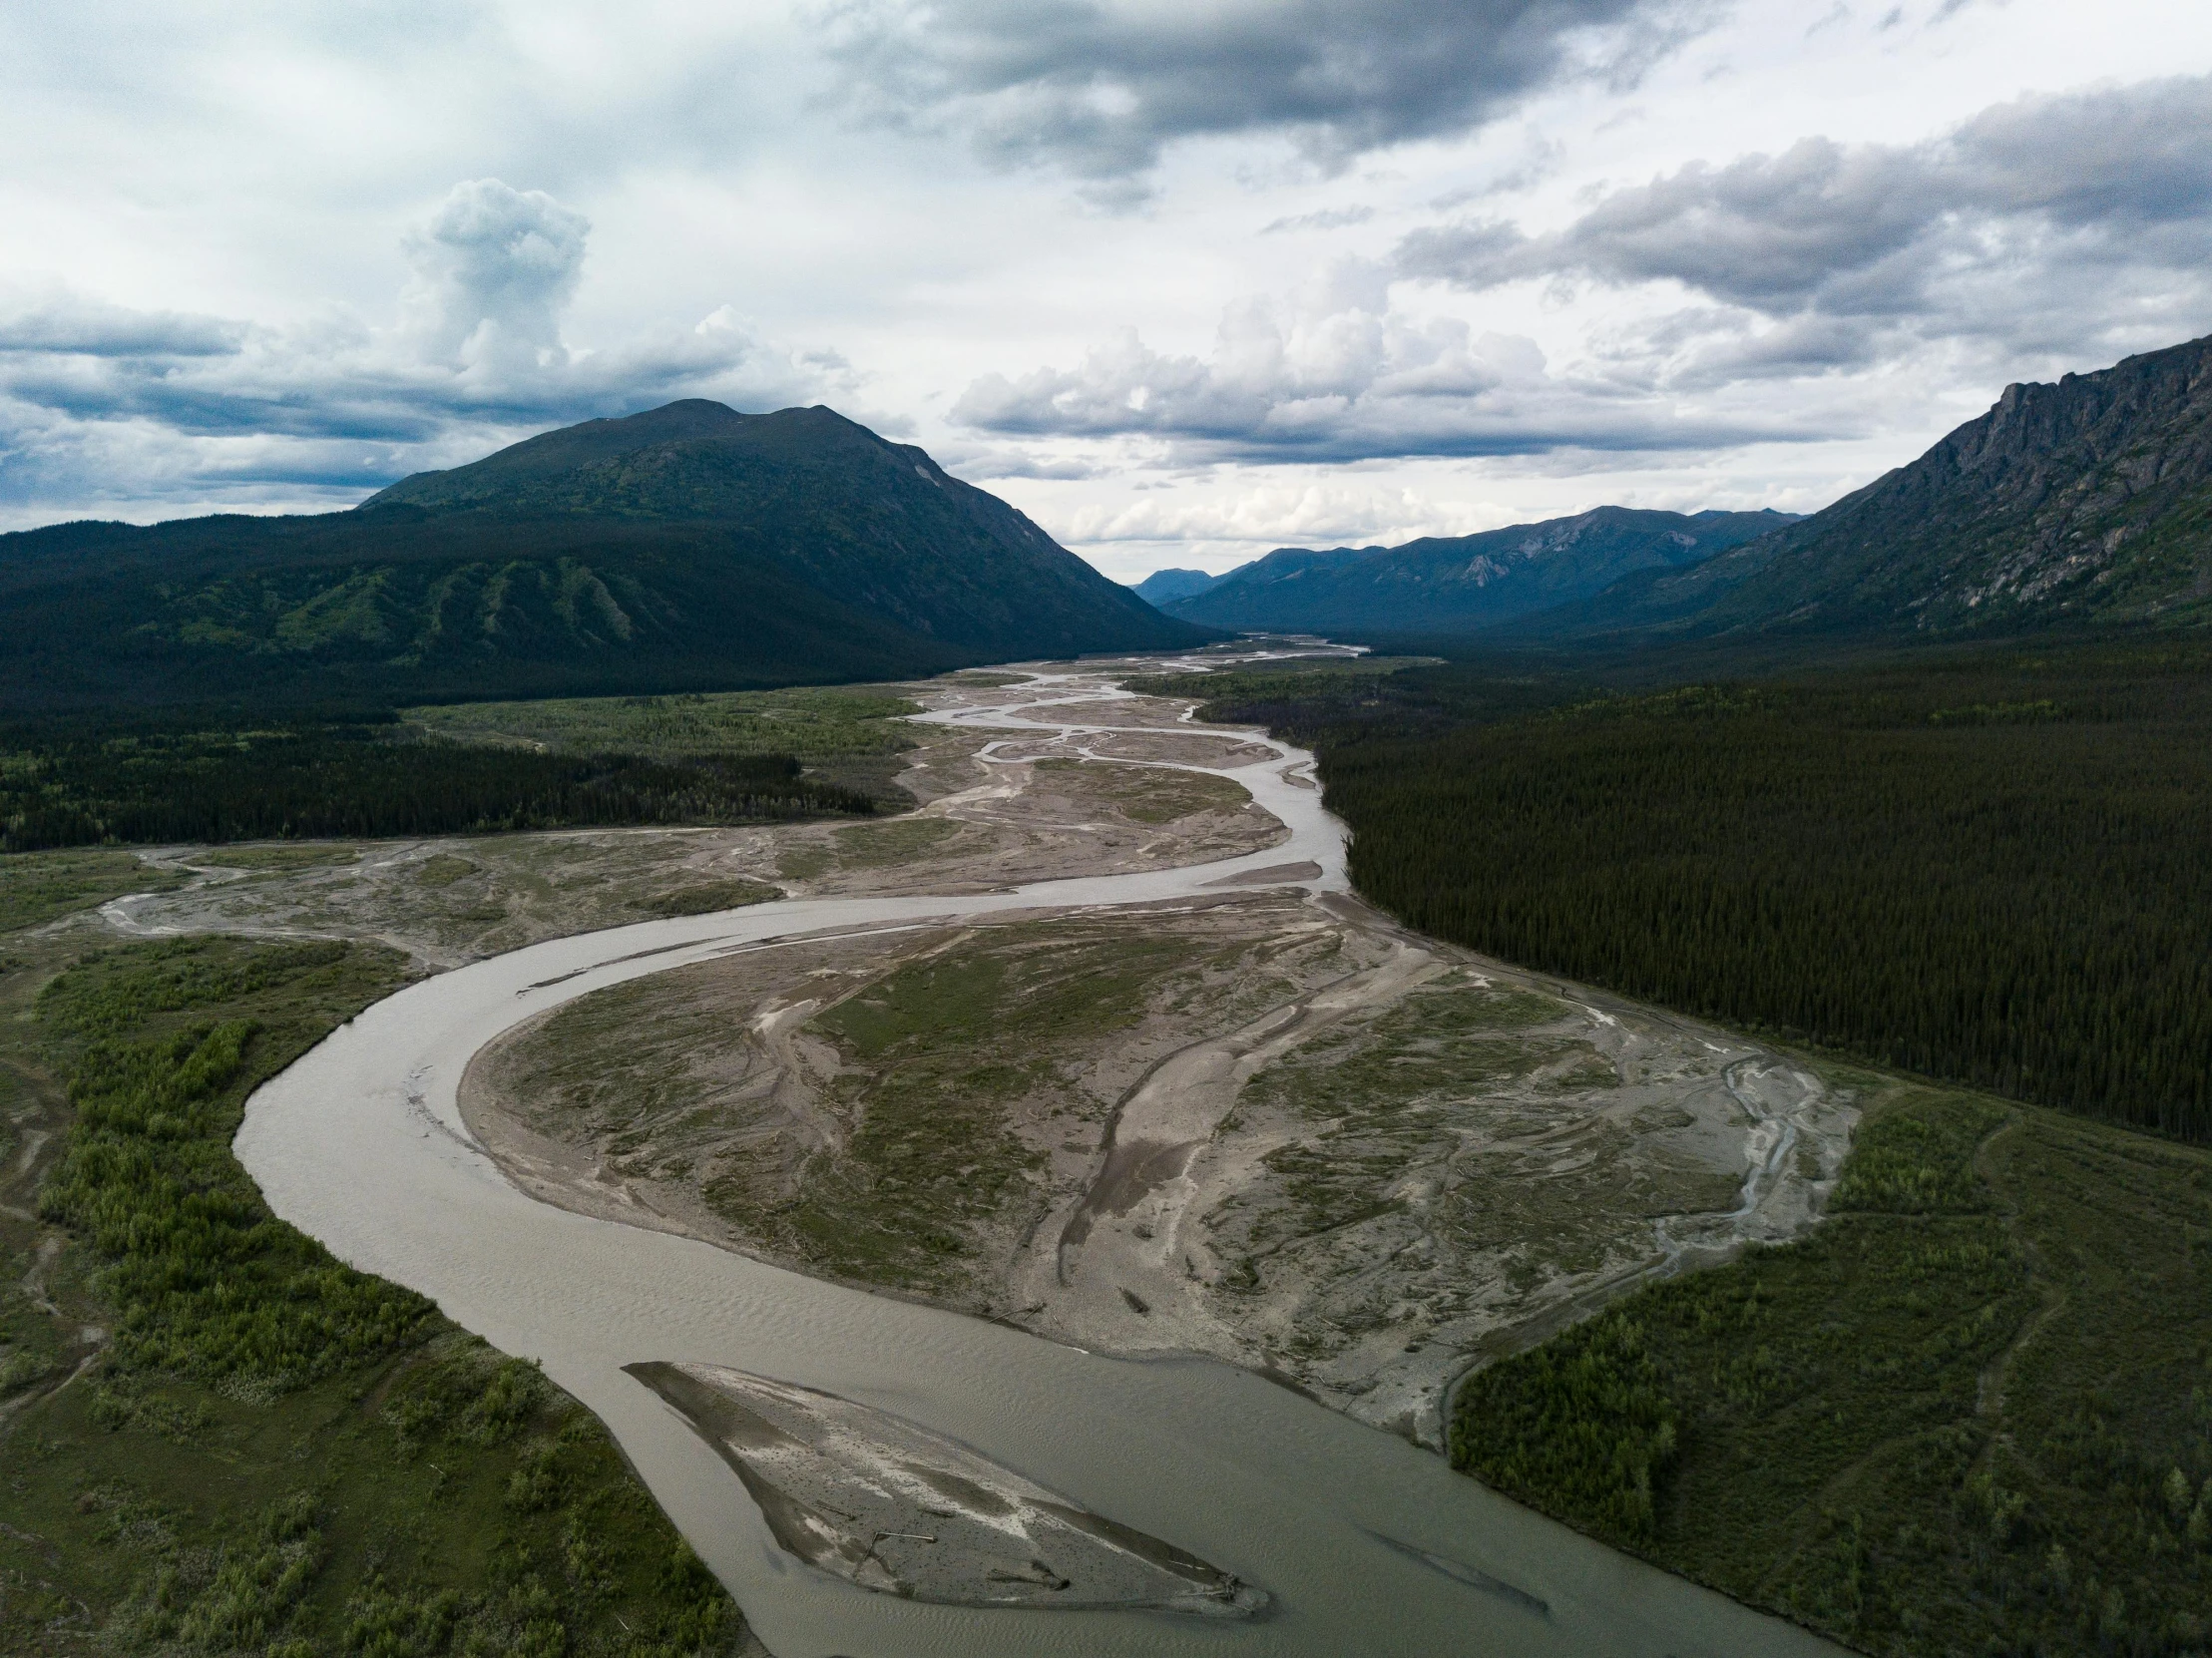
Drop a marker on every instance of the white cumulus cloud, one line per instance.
(98, 399)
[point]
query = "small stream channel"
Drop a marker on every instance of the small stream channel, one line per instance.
(1365, 1545)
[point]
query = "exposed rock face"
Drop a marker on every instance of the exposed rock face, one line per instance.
(1454, 583)
(2089, 499)
(893, 1508)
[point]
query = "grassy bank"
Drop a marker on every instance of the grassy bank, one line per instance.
(219, 1440)
(1972, 1414)
(817, 725)
(40, 889)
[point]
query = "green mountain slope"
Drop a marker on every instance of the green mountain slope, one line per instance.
(687, 548)
(1464, 582)
(2088, 501)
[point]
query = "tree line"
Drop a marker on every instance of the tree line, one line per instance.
(91, 787)
(1994, 867)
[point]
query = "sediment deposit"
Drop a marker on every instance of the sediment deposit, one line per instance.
(889, 1506)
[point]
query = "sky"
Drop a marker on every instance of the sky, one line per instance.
(1184, 279)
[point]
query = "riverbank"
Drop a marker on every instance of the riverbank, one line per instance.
(216, 1438)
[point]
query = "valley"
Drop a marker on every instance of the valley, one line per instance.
(599, 1293)
(929, 829)
(1106, 1109)
(1094, 1045)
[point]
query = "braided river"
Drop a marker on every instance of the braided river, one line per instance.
(1363, 1544)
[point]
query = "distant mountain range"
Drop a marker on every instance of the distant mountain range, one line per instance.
(2088, 501)
(688, 547)
(2084, 502)
(695, 548)
(1164, 584)
(1455, 584)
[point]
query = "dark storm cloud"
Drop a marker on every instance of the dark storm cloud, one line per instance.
(1102, 87)
(1873, 230)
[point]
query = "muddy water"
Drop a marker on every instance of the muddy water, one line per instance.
(1365, 1545)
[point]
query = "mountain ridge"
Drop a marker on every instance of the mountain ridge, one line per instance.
(1464, 584)
(687, 548)
(1163, 585)
(2085, 500)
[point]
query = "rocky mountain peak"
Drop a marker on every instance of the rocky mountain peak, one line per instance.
(2088, 498)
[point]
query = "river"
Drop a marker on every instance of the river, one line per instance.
(1365, 1545)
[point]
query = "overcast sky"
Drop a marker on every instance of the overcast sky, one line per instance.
(1186, 279)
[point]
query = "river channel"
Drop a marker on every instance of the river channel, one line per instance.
(1363, 1543)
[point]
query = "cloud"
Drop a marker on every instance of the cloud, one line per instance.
(1101, 87)
(61, 322)
(1328, 218)
(495, 267)
(2034, 207)
(1336, 374)
(981, 462)
(1280, 515)
(96, 400)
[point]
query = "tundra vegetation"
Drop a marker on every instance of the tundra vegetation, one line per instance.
(816, 724)
(467, 768)
(906, 1119)
(1153, 797)
(218, 1440)
(444, 901)
(853, 737)
(42, 889)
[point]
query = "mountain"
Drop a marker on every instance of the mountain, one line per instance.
(2088, 501)
(1464, 582)
(687, 548)
(1164, 584)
